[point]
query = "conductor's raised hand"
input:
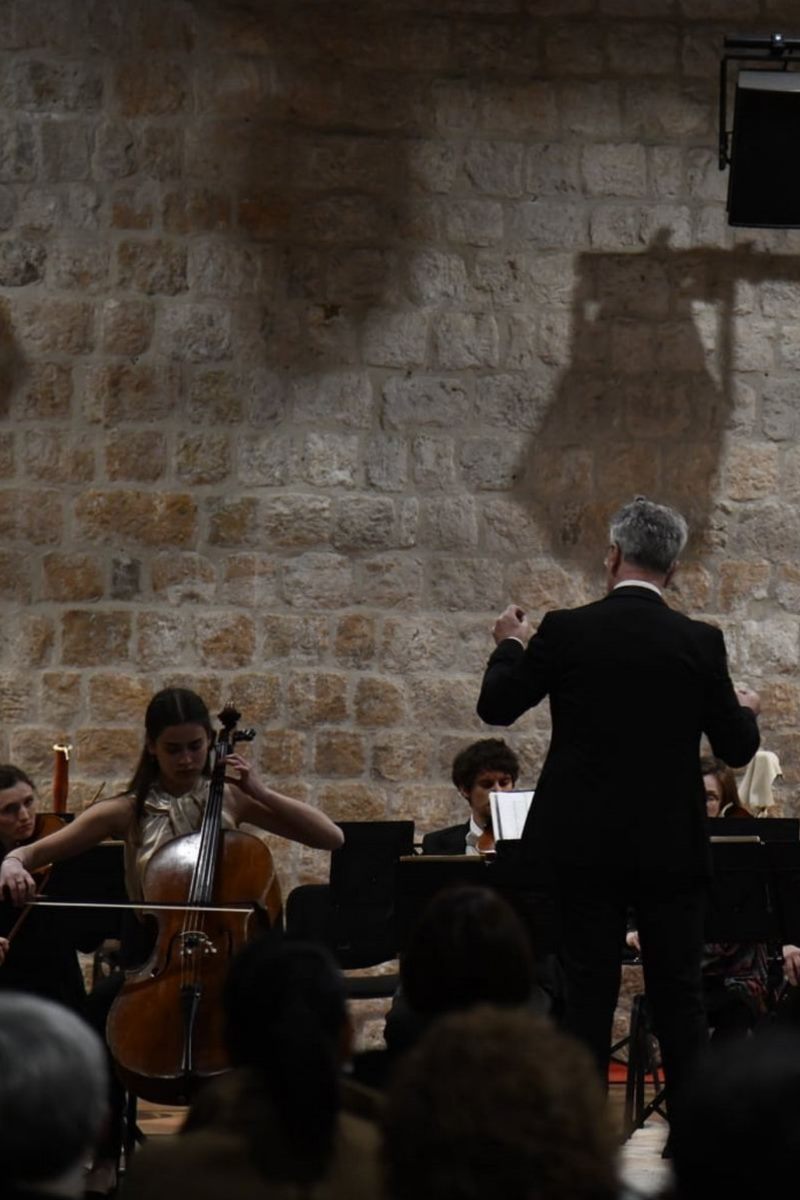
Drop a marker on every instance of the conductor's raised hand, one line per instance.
(749, 699)
(512, 623)
(15, 882)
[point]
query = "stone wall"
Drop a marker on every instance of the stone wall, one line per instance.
(326, 329)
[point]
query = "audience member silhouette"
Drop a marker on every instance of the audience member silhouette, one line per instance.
(53, 1098)
(497, 1103)
(276, 1120)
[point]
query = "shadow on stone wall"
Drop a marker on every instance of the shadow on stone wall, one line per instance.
(11, 362)
(319, 170)
(647, 398)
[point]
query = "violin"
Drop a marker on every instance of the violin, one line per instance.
(210, 892)
(48, 822)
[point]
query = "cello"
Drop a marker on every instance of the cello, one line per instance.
(165, 1028)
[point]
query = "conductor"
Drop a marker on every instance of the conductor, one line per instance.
(618, 818)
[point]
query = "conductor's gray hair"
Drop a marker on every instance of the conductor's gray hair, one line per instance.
(649, 535)
(53, 1089)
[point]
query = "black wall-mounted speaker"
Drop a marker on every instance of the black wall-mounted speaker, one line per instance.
(764, 181)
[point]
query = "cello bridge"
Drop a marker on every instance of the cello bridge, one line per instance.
(193, 943)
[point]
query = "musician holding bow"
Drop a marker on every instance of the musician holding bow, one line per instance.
(166, 798)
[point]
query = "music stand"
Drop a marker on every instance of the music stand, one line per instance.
(362, 890)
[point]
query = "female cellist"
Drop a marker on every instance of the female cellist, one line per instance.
(34, 957)
(164, 800)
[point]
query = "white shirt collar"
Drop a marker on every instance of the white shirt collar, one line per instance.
(638, 583)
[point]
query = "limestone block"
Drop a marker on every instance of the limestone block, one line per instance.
(386, 463)
(591, 109)
(331, 459)
(513, 400)
(266, 460)
(127, 326)
(446, 702)
(491, 464)
(344, 397)
(769, 646)
(364, 523)
(17, 153)
(151, 86)
(225, 640)
(779, 409)
(424, 400)
(294, 519)
(433, 164)
(8, 207)
(66, 150)
(316, 698)
(467, 340)
(630, 45)
(61, 699)
(147, 518)
(162, 639)
(219, 268)
(474, 222)
(56, 459)
(568, 50)
(56, 326)
(258, 695)
(548, 224)
(742, 581)
(396, 338)
(337, 753)
(183, 578)
(448, 523)
(464, 584)
(197, 332)
(615, 169)
(390, 581)
(433, 461)
(15, 576)
(196, 210)
(494, 168)
(202, 457)
(155, 267)
(354, 640)
(417, 642)
(72, 577)
(435, 276)
(398, 757)
(235, 522)
(34, 516)
(138, 455)
(95, 639)
(504, 278)
(353, 801)
(42, 86)
(126, 575)
(21, 261)
(318, 580)
(751, 471)
(250, 580)
(115, 698)
(519, 109)
(300, 637)
(552, 169)
(215, 396)
(660, 110)
(281, 752)
(115, 152)
(379, 702)
(107, 754)
(510, 531)
(116, 393)
(133, 207)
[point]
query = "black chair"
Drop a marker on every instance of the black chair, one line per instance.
(354, 914)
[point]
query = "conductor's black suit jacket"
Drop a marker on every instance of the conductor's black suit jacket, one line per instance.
(632, 685)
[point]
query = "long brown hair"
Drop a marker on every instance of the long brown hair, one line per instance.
(709, 765)
(171, 706)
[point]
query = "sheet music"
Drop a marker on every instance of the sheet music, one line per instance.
(509, 812)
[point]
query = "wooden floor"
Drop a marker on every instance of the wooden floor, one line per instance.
(641, 1165)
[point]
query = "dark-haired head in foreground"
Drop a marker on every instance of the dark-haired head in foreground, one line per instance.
(496, 1103)
(737, 1132)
